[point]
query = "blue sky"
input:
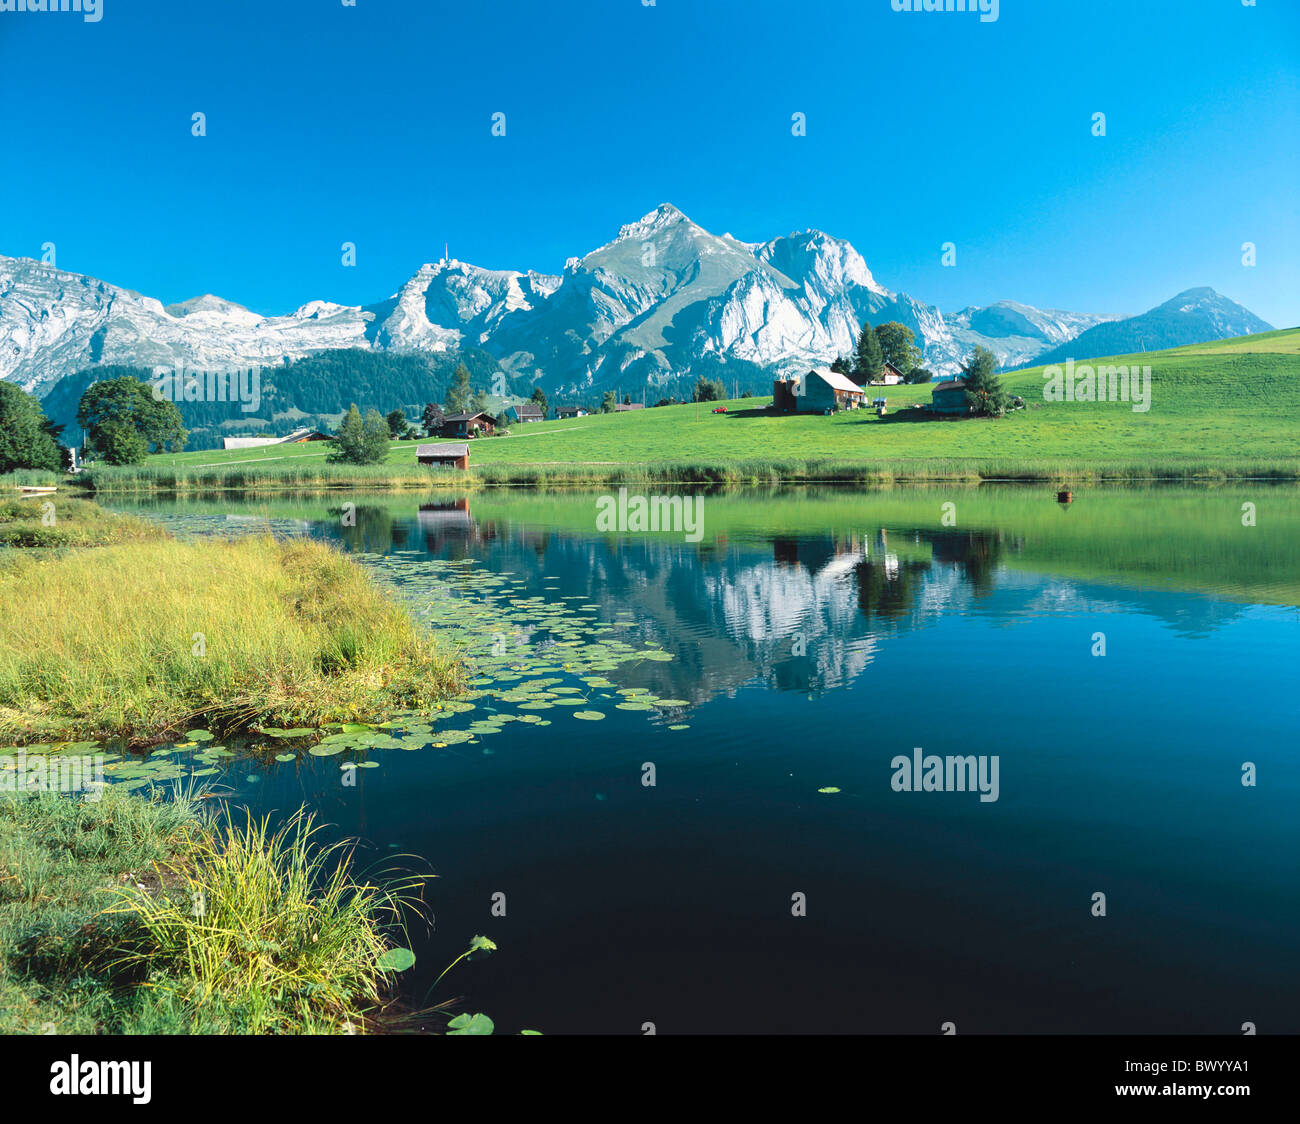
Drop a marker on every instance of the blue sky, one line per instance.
(372, 124)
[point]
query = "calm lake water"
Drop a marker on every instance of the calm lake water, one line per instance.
(817, 637)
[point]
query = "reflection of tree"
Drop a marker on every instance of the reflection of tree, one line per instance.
(888, 588)
(366, 528)
(978, 553)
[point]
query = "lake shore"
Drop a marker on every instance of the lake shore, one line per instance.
(147, 914)
(289, 477)
(134, 635)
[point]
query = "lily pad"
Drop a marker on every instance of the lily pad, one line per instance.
(398, 960)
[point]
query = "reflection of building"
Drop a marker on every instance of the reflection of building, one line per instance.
(444, 523)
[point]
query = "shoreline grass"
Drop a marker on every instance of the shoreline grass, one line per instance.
(58, 521)
(100, 931)
(145, 639)
(288, 478)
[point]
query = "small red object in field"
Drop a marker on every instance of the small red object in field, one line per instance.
(719, 409)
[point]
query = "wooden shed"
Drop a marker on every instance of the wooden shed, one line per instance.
(468, 425)
(527, 412)
(949, 398)
(822, 390)
(449, 454)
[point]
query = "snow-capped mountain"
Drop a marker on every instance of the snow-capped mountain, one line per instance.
(662, 302)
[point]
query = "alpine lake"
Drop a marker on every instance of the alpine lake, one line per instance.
(853, 761)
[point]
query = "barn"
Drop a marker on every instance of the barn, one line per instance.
(526, 412)
(817, 392)
(468, 425)
(294, 438)
(447, 454)
(949, 398)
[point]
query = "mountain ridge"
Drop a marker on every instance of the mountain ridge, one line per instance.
(662, 303)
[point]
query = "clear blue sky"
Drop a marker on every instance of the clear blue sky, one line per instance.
(372, 124)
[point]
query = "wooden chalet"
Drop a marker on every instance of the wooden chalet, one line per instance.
(448, 454)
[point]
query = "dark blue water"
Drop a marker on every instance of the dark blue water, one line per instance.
(813, 660)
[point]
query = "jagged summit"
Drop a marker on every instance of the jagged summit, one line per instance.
(663, 299)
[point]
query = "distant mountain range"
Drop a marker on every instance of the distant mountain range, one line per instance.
(662, 304)
(1194, 316)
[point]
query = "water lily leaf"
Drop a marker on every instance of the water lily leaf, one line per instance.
(395, 960)
(589, 715)
(199, 735)
(471, 1024)
(296, 732)
(828, 789)
(283, 757)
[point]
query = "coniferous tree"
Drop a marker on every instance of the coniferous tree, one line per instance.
(984, 392)
(870, 359)
(459, 395)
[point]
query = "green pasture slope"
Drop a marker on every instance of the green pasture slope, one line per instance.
(1230, 408)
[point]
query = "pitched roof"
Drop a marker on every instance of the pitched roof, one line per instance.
(528, 410)
(951, 384)
(467, 417)
(258, 442)
(445, 449)
(835, 380)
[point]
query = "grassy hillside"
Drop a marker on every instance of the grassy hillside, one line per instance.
(1227, 408)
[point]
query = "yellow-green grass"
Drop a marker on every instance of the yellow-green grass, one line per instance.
(136, 914)
(1224, 409)
(55, 521)
(147, 639)
(272, 924)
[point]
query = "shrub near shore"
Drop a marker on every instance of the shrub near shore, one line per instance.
(146, 915)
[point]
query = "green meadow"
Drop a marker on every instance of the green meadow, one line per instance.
(1218, 410)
